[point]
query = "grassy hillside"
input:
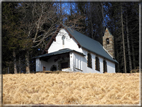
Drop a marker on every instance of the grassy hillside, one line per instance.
(71, 88)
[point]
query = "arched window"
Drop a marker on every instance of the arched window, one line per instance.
(97, 62)
(107, 40)
(63, 39)
(104, 66)
(89, 60)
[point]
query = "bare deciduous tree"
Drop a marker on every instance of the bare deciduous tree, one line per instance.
(39, 21)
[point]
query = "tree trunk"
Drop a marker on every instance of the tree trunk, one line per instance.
(133, 54)
(123, 40)
(60, 11)
(128, 44)
(103, 25)
(71, 9)
(118, 65)
(19, 64)
(27, 62)
(14, 60)
(91, 23)
(117, 53)
(91, 27)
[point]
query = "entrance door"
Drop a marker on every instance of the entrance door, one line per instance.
(44, 68)
(104, 66)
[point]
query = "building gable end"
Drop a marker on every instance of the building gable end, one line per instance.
(54, 38)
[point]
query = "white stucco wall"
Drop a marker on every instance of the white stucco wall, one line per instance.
(87, 69)
(67, 69)
(71, 61)
(40, 64)
(110, 67)
(48, 64)
(101, 64)
(68, 43)
(77, 62)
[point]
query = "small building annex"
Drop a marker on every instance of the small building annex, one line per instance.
(69, 50)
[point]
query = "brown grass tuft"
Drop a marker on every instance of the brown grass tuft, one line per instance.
(71, 88)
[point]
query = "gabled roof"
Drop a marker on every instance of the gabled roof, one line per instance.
(85, 42)
(61, 51)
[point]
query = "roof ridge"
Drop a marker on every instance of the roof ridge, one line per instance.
(83, 41)
(92, 44)
(108, 31)
(80, 33)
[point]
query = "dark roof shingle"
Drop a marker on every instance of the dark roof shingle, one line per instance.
(62, 51)
(89, 44)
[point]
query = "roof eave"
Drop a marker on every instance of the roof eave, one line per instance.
(53, 54)
(101, 55)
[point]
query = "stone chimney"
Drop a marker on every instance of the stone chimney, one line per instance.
(108, 42)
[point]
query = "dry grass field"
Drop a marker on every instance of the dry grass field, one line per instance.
(71, 88)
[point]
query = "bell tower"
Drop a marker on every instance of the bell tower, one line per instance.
(108, 42)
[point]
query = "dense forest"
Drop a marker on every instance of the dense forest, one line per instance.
(28, 26)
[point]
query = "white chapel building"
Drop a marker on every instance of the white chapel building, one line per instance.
(69, 50)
